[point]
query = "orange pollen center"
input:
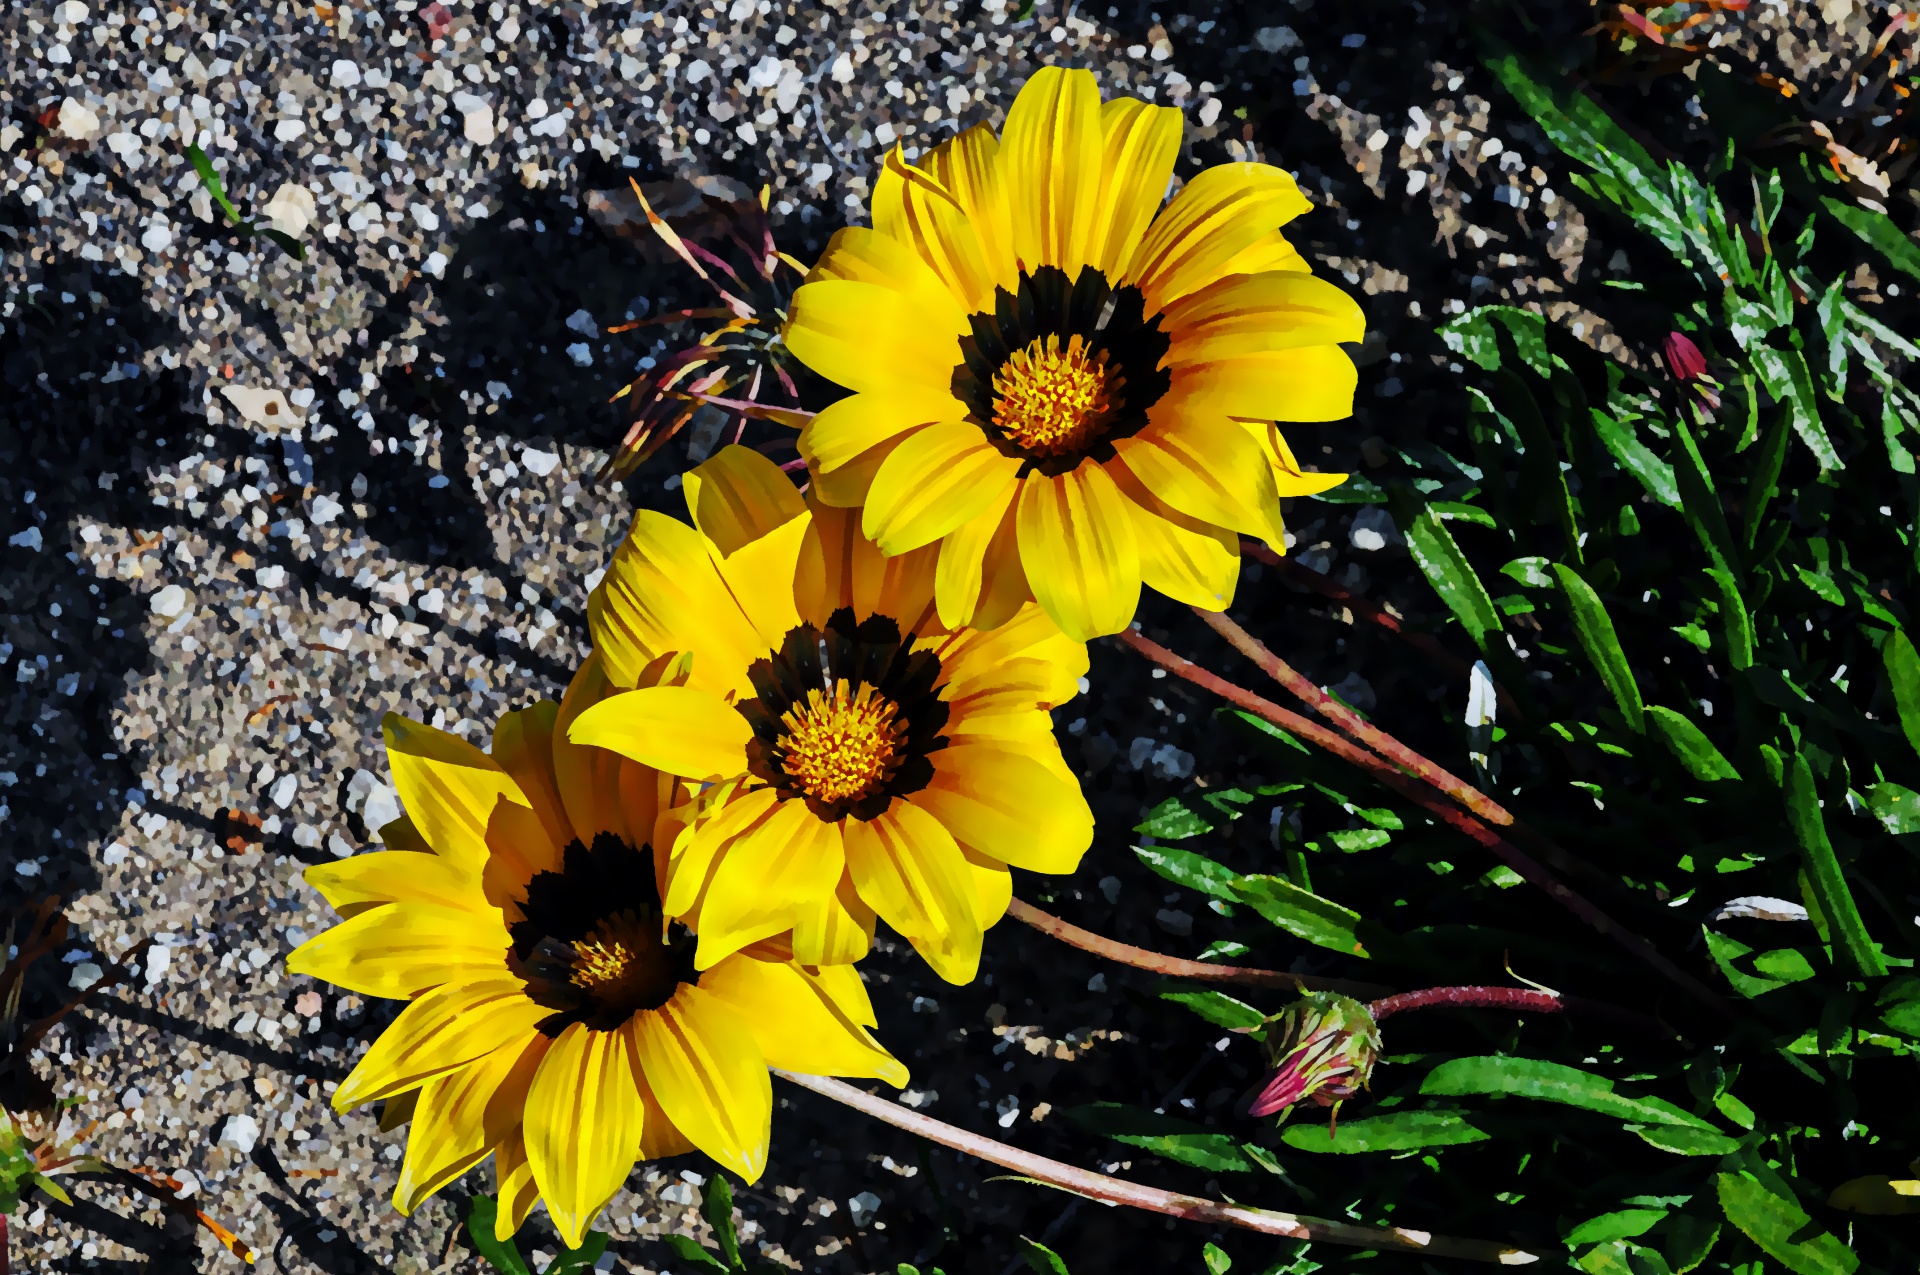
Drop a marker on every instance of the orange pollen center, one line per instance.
(844, 743)
(613, 961)
(1051, 399)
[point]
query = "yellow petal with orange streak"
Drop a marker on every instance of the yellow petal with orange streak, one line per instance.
(1049, 163)
(582, 1126)
(933, 483)
(398, 950)
(908, 868)
(448, 786)
(764, 876)
(705, 1069)
(1214, 219)
(463, 1115)
(678, 729)
(1078, 548)
(796, 1024)
(442, 1030)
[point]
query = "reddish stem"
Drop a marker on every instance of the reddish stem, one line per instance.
(1397, 780)
(4, 1267)
(1174, 967)
(1470, 998)
(1352, 723)
(1107, 1190)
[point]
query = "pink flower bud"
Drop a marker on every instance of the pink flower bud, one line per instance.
(1684, 359)
(1321, 1047)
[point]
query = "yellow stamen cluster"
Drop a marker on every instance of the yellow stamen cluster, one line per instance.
(842, 744)
(1051, 399)
(620, 962)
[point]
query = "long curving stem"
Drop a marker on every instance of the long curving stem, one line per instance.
(1174, 967)
(1107, 1190)
(1354, 724)
(1475, 998)
(1399, 781)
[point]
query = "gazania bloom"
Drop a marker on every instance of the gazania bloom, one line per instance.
(555, 1018)
(1063, 388)
(858, 755)
(1320, 1048)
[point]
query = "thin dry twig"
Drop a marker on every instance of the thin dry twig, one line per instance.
(1108, 1190)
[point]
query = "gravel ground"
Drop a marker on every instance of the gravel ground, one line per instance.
(252, 504)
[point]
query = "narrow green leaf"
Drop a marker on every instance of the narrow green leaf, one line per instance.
(1623, 1224)
(1553, 1082)
(288, 244)
(1395, 1131)
(1895, 806)
(1170, 1138)
(1877, 231)
(570, 1260)
(1684, 1141)
(52, 1188)
(1903, 678)
(1302, 914)
(1192, 871)
(1219, 1009)
(1899, 1005)
(211, 180)
(1610, 1258)
(1686, 1239)
(717, 1207)
(1742, 968)
(1438, 556)
(1175, 819)
(1634, 456)
(1764, 1209)
(1690, 745)
(1218, 1263)
(690, 1251)
(1764, 481)
(1040, 1258)
(1787, 378)
(1736, 622)
(1602, 645)
(502, 1255)
(1700, 502)
(1854, 948)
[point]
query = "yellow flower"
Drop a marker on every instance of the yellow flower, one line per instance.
(858, 755)
(1064, 392)
(555, 1019)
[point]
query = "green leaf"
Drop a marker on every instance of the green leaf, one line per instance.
(1531, 572)
(1455, 511)
(1474, 337)
(1394, 1131)
(1174, 819)
(1219, 1009)
(1690, 745)
(1736, 622)
(502, 1255)
(1302, 914)
(1903, 678)
(1439, 558)
(211, 180)
(1634, 456)
(1610, 1258)
(1623, 1224)
(1218, 1263)
(690, 1251)
(1728, 954)
(1701, 503)
(1602, 645)
(1763, 1208)
(1039, 1257)
(592, 1245)
(53, 1189)
(1899, 1006)
(1896, 807)
(1785, 374)
(288, 244)
(1877, 231)
(1165, 1136)
(1552, 1082)
(1355, 840)
(1686, 1239)
(1685, 1141)
(1193, 871)
(1854, 948)
(717, 1207)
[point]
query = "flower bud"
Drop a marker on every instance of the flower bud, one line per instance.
(1683, 357)
(1320, 1047)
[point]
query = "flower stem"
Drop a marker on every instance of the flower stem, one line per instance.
(1354, 724)
(1400, 782)
(1107, 1190)
(1174, 967)
(1473, 998)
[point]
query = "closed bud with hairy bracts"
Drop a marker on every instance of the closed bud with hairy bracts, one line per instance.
(1322, 1047)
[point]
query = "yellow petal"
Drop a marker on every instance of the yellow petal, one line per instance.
(1213, 472)
(391, 876)
(737, 496)
(843, 985)
(1313, 383)
(1214, 218)
(677, 729)
(1050, 162)
(448, 786)
(1288, 477)
(760, 575)
(1139, 144)
(523, 746)
(934, 482)
(446, 1028)
(965, 165)
(602, 791)
(963, 553)
(797, 1025)
(1028, 634)
(1003, 577)
(1078, 548)
(846, 429)
(1188, 560)
(765, 874)
(847, 486)
(708, 1075)
(513, 1185)
(836, 929)
(1272, 251)
(662, 594)
(839, 567)
(992, 890)
(1006, 702)
(906, 865)
(1258, 314)
(913, 206)
(462, 1115)
(398, 950)
(1009, 807)
(722, 815)
(868, 337)
(582, 1126)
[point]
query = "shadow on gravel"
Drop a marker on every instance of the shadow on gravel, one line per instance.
(170, 1248)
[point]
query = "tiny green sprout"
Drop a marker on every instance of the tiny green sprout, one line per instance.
(211, 180)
